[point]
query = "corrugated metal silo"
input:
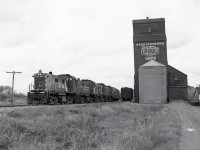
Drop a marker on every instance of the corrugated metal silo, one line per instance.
(153, 82)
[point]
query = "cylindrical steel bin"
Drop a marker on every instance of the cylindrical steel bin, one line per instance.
(152, 82)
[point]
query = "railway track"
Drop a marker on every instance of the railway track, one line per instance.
(25, 105)
(1, 106)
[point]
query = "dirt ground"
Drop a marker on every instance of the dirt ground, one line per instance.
(190, 118)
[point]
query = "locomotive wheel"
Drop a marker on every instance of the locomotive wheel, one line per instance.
(55, 100)
(91, 100)
(74, 100)
(77, 99)
(87, 100)
(60, 100)
(82, 100)
(51, 100)
(67, 100)
(64, 100)
(98, 100)
(70, 100)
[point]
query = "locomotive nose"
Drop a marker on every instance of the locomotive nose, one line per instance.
(42, 86)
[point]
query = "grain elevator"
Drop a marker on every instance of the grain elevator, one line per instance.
(150, 49)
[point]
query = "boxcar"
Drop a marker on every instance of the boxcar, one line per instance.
(126, 94)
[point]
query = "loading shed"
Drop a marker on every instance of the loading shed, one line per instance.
(177, 84)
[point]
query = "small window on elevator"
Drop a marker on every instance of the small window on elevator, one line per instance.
(56, 80)
(176, 78)
(149, 29)
(63, 81)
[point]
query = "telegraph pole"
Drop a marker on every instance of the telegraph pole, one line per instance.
(13, 72)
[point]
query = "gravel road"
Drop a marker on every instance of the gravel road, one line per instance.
(190, 119)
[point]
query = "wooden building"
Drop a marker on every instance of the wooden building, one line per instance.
(150, 43)
(177, 84)
(149, 40)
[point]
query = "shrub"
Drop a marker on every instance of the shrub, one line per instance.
(3, 97)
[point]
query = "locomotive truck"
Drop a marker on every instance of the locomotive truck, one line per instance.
(65, 88)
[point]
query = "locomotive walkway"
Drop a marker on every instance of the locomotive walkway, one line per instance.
(190, 119)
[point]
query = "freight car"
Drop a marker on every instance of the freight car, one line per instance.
(193, 95)
(65, 88)
(126, 94)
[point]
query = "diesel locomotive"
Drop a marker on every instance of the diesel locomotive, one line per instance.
(65, 89)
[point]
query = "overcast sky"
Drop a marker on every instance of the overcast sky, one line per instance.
(91, 39)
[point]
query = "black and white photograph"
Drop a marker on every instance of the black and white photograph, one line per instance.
(99, 75)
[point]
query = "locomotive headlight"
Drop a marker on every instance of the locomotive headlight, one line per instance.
(42, 86)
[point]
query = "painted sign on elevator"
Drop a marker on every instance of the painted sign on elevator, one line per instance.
(150, 50)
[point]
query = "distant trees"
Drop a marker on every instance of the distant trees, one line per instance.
(6, 93)
(3, 97)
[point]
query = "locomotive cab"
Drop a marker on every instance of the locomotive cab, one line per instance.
(52, 89)
(38, 94)
(40, 81)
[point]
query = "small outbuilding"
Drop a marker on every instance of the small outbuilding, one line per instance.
(177, 84)
(197, 95)
(192, 93)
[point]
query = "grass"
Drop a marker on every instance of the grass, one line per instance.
(16, 101)
(102, 126)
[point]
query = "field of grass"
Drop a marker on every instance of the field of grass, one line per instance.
(102, 126)
(16, 101)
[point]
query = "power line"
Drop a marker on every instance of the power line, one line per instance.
(13, 72)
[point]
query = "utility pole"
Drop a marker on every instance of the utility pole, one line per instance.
(13, 72)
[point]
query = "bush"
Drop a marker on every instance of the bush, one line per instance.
(6, 92)
(3, 97)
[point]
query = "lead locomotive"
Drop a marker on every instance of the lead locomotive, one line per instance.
(64, 88)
